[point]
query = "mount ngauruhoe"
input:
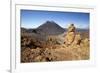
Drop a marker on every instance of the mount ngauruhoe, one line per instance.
(47, 28)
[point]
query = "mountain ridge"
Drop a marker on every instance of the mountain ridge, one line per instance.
(47, 28)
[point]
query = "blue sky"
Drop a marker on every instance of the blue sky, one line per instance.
(34, 18)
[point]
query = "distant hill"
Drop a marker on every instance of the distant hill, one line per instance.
(50, 28)
(47, 28)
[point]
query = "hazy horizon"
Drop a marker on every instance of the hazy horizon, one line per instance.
(35, 18)
(58, 24)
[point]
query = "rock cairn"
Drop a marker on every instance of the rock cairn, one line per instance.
(72, 37)
(70, 34)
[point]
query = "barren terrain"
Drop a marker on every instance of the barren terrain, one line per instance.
(43, 48)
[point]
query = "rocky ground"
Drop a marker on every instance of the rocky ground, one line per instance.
(64, 47)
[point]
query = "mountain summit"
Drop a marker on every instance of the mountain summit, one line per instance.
(50, 28)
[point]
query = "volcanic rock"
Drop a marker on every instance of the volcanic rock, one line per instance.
(70, 34)
(50, 28)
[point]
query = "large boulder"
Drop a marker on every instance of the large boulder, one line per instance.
(70, 34)
(77, 39)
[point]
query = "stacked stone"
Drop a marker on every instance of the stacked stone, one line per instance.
(70, 34)
(72, 37)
